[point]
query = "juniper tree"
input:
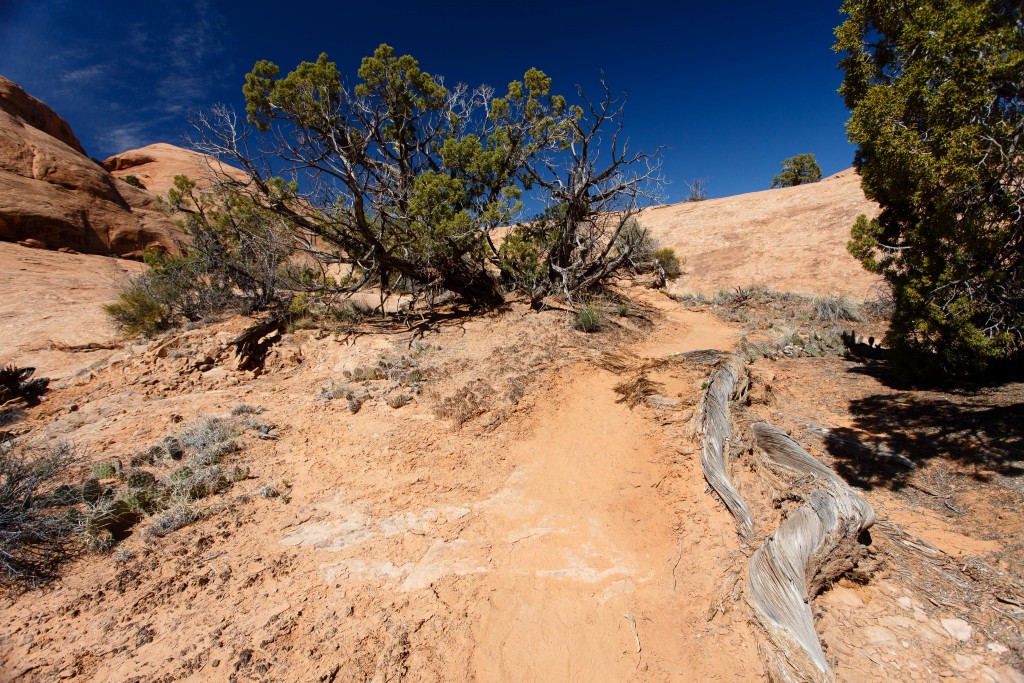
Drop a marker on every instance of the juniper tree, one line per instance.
(404, 179)
(936, 94)
(798, 170)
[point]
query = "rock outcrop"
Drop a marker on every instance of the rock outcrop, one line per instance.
(52, 193)
(156, 165)
(21, 105)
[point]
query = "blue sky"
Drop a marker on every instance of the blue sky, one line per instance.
(730, 88)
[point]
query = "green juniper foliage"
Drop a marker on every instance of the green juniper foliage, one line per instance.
(936, 92)
(798, 170)
(406, 179)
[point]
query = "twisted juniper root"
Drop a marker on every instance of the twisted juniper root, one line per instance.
(814, 545)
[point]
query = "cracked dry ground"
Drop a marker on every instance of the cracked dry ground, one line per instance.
(514, 522)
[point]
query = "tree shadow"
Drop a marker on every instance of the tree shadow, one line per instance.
(980, 429)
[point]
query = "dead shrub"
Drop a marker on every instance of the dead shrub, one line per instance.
(35, 525)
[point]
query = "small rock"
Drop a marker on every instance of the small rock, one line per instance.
(215, 375)
(878, 634)
(67, 250)
(997, 648)
(82, 378)
(957, 628)
(33, 244)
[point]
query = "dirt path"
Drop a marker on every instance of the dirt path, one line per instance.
(570, 540)
(579, 545)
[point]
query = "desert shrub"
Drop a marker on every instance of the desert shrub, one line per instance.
(134, 182)
(670, 264)
(246, 409)
(589, 318)
(268, 491)
(835, 308)
(209, 439)
(16, 383)
(698, 191)
(179, 515)
(105, 522)
(34, 524)
(187, 483)
(137, 311)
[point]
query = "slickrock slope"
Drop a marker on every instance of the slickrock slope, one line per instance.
(156, 165)
(791, 239)
(51, 192)
(51, 314)
(20, 104)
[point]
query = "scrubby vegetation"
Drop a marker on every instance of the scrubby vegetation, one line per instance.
(589, 318)
(393, 380)
(790, 324)
(432, 173)
(49, 508)
(35, 524)
(134, 182)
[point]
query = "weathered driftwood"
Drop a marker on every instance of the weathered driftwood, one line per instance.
(728, 382)
(814, 545)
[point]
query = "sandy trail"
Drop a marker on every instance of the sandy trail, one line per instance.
(589, 552)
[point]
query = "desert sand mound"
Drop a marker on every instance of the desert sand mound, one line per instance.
(791, 239)
(52, 193)
(156, 165)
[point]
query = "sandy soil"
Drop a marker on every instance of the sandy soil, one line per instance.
(514, 522)
(558, 535)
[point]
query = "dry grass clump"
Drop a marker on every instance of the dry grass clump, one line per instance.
(635, 391)
(45, 515)
(209, 439)
(786, 324)
(466, 403)
(589, 318)
(179, 515)
(835, 308)
(35, 524)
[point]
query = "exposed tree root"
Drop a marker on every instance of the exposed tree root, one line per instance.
(729, 382)
(815, 545)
